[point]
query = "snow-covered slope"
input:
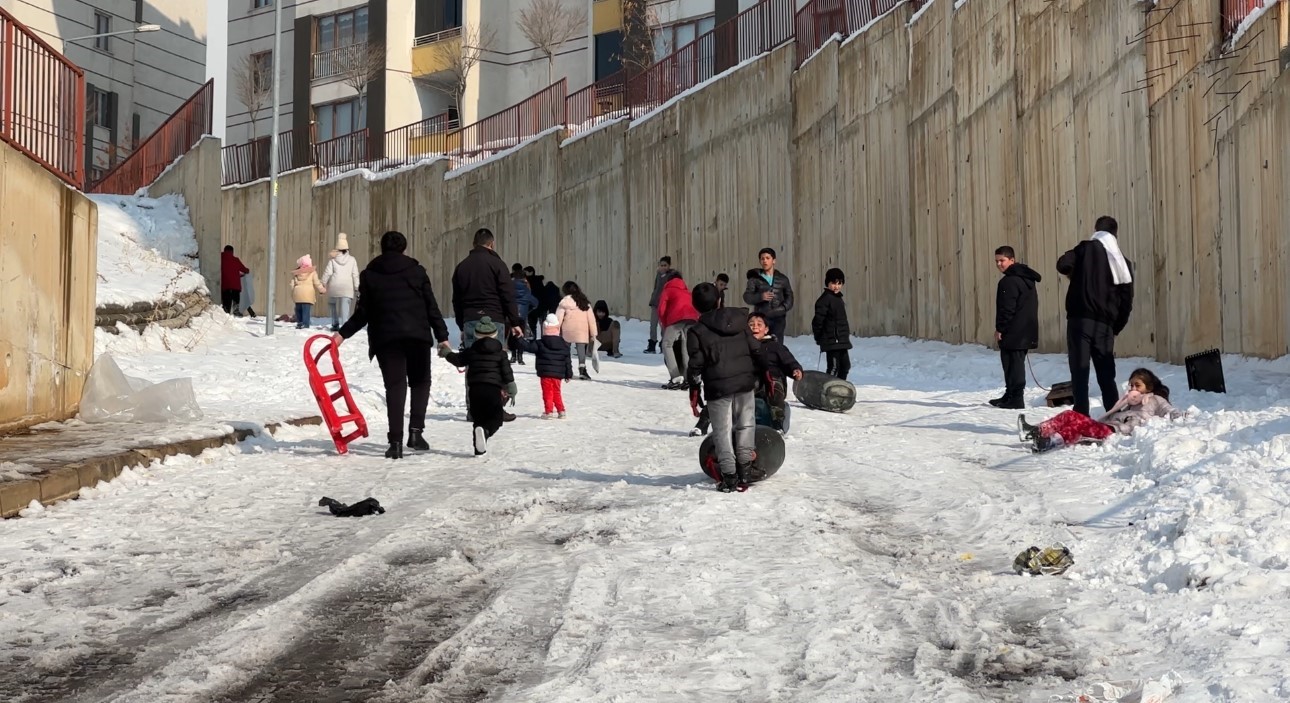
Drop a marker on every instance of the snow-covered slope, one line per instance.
(147, 249)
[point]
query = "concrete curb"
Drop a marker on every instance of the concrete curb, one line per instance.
(67, 481)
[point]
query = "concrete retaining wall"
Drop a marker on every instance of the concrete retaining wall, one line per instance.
(197, 177)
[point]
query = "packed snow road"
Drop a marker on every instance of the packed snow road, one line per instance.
(589, 560)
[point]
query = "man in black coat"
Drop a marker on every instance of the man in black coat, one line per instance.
(1098, 304)
(770, 293)
(1016, 324)
(725, 359)
(481, 287)
(398, 307)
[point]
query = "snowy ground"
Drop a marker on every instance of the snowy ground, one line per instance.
(147, 250)
(588, 560)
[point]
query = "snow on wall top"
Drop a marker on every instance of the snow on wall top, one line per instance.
(147, 249)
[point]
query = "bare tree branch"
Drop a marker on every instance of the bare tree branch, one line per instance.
(550, 24)
(252, 79)
(638, 36)
(362, 64)
(459, 57)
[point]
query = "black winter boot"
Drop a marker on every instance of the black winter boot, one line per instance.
(417, 441)
(395, 451)
(729, 483)
(582, 373)
(653, 347)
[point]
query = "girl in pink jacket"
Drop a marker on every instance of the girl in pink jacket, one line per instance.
(1147, 398)
(577, 324)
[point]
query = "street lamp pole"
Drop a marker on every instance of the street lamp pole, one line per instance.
(136, 30)
(273, 166)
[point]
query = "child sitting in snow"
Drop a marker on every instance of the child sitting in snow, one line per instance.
(305, 288)
(779, 364)
(554, 365)
(1147, 398)
(489, 380)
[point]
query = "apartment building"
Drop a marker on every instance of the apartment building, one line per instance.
(675, 22)
(134, 79)
(327, 43)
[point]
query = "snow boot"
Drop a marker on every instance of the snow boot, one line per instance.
(1026, 432)
(481, 442)
(653, 347)
(996, 402)
(1016, 402)
(582, 373)
(675, 384)
(696, 432)
(395, 451)
(729, 483)
(417, 441)
(741, 472)
(507, 417)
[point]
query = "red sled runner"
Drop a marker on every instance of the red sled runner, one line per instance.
(327, 399)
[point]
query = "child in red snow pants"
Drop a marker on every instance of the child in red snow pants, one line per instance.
(1073, 426)
(552, 400)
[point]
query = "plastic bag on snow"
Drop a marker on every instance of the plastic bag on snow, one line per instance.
(111, 396)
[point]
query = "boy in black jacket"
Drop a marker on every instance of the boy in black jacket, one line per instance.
(489, 380)
(780, 364)
(554, 365)
(830, 327)
(724, 358)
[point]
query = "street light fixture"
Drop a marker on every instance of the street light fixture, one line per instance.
(135, 30)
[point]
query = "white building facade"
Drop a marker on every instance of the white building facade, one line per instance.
(134, 80)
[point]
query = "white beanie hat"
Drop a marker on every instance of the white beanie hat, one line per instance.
(551, 321)
(342, 242)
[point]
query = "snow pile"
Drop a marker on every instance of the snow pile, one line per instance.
(147, 250)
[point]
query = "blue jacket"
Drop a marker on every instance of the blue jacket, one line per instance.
(524, 298)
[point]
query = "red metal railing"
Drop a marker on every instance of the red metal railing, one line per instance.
(1234, 13)
(409, 142)
(820, 19)
(602, 100)
(340, 154)
(42, 102)
(171, 140)
(244, 163)
(503, 130)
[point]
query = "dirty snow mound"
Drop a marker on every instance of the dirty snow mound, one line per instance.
(147, 249)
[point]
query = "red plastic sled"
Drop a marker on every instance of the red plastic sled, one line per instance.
(327, 399)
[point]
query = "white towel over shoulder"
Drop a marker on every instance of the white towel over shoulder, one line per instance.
(1119, 267)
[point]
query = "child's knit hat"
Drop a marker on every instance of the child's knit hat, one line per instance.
(551, 321)
(485, 327)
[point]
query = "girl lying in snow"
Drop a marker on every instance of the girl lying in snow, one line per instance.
(1147, 398)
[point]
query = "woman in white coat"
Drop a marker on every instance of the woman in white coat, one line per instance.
(577, 324)
(341, 280)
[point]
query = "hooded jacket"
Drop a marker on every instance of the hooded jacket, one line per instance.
(231, 269)
(525, 301)
(554, 357)
(396, 304)
(1093, 293)
(674, 304)
(486, 363)
(481, 286)
(724, 355)
(341, 276)
(305, 285)
(779, 284)
(1016, 308)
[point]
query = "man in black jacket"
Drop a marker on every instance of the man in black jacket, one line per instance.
(1098, 304)
(770, 293)
(725, 359)
(481, 287)
(1016, 324)
(398, 307)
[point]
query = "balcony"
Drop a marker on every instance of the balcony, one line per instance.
(336, 63)
(606, 16)
(433, 53)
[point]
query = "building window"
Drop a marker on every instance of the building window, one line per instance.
(341, 29)
(609, 53)
(98, 104)
(262, 79)
(102, 25)
(338, 119)
(257, 4)
(673, 37)
(434, 16)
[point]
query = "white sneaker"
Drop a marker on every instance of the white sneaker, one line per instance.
(561, 416)
(548, 416)
(481, 442)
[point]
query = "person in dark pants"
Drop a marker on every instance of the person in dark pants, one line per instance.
(489, 380)
(830, 327)
(231, 269)
(397, 306)
(1016, 324)
(1098, 304)
(770, 293)
(482, 286)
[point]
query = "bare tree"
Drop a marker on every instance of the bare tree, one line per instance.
(252, 78)
(362, 64)
(550, 24)
(459, 58)
(638, 37)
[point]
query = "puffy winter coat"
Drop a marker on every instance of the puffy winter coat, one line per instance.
(724, 355)
(525, 301)
(554, 358)
(659, 280)
(486, 362)
(776, 359)
(1135, 409)
(576, 326)
(674, 303)
(305, 285)
(1016, 308)
(341, 276)
(481, 286)
(830, 327)
(779, 285)
(396, 304)
(231, 269)
(1093, 294)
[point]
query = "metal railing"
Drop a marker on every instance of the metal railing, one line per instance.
(1234, 13)
(343, 153)
(429, 136)
(244, 163)
(179, 133)
(331, 63)
(42, 102)
(603, 100)
(433, 37)
(820, 19)
(535, 114)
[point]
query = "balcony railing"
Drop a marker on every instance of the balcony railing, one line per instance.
(42, 102)
(340, 154)
(426, 39)
(331, 63)
(179, 133)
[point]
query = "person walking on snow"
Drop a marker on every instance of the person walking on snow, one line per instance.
(676, 314)
(341, 280)
(305, 288)
(770, 293)
(554, 366)
(830, 327)
(1147, 398)
(1016, 324)
(724, 361)
(482, 287)
(489, 380)
(525, 301)
(1098, 304)
(577, 324)
(231, 270)
(660, 277)
(397, 306)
